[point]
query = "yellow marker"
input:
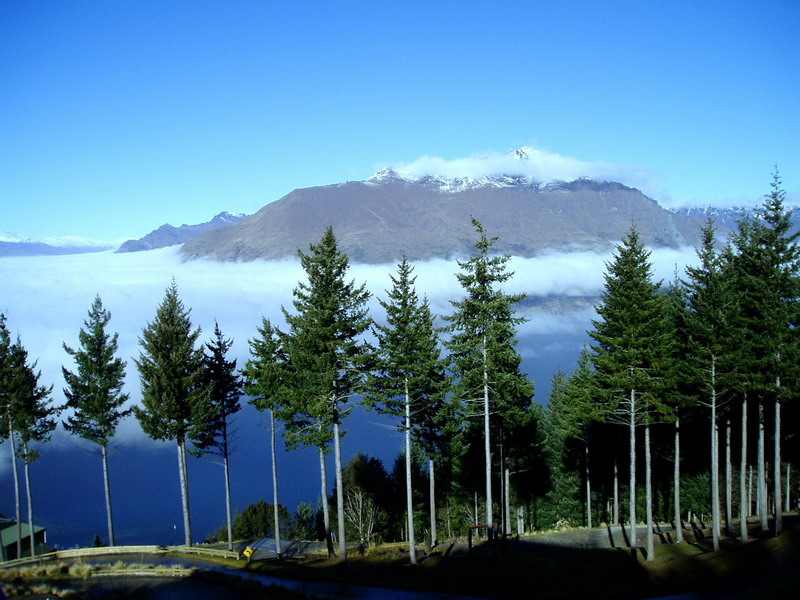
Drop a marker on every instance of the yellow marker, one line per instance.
(248, 552)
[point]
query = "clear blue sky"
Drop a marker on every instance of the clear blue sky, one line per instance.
(116, 117)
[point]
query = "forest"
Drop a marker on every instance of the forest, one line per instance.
(682, 406)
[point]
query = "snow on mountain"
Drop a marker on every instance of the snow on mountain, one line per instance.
(168, 235)
(13, 238)
(511, 170)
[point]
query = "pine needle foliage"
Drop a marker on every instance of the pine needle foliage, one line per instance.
(171, 372)
(94, 391)
(326, 362)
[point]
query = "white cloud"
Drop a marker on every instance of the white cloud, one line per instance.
(540, 165)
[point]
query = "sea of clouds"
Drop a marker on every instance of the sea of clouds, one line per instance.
(46, 299)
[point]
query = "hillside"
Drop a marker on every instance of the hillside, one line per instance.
(381, 219)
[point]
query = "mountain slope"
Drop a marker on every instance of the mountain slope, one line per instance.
(381, 219)
(169, 235)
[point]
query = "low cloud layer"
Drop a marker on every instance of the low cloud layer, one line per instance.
(541, 165)
(46, 299)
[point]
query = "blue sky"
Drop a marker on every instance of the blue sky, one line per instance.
(116, 117)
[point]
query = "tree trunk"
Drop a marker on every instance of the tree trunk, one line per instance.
(616, 491)
(588, 487)
(412, 548)
(275, 498)
(777, 465)
(507, 494)
(728, 475)
(31, 532)
(715, 529)
(788, 503)
(15, 474)
(743, 501)
(487, 445)
(677, 485)
(326, 513)
(632, 479)
(107, 488)
(648, 486)
(337, 452)
(762, 471)
(432, 501)
(184, 481)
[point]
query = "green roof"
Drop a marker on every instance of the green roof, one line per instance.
(9, 532)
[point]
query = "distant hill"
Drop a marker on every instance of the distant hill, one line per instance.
(387, 216)
(15, 245)
(168, 235)
(728, 218)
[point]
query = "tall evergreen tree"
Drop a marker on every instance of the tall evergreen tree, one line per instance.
(326, 359)
(264, 377)
(94, 392)
(563, 498)
(32, 416)
(709, 346)
(766, 266)
(628, 351)
(579, 410)
(782, 272)
(409, 380)
(171, 372)
(211, 433)
(484, 360)
(6, 417)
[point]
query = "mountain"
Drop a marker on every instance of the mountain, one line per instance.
(389, 215)
(15, 245)
(728, 218)
(168, 235)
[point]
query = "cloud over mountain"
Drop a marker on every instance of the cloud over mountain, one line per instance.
(534, 163)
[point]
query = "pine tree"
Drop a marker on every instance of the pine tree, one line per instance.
(709, 346)
(563, 501)
(211, 432)
(94, 392)
(171, 373)
(629, 343)
(409, 380)
(766, 267)
(264, 377)
(6, 418)
(326, 360)
(31, 416)
(484, 360)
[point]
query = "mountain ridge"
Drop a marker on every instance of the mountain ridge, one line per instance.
(389, 215)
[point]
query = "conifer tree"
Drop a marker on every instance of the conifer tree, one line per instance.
(211, 432)
(580, 409)
(483, 356)
(563, 502)
(171, 373)
(628, 352)
(327, 362)
(31, 416)
(409, 380)
(766, 266)
(6, 418)
(264, 378)
(709, 348)
(94, 392)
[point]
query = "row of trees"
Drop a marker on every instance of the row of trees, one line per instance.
(716, 346)
(308, 375)
(689, 355)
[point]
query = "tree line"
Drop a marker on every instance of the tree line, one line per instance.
(707, 358)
